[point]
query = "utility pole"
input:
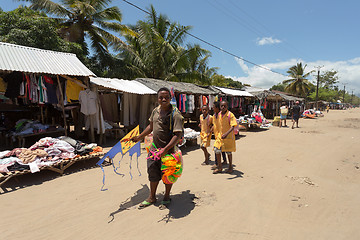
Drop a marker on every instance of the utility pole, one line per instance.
(344, 93)
(317, 86)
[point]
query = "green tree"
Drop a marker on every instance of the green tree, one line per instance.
(193, 66)
(218, 80)
(78, 19)
(27, 27)
(298, 83)
(328, 79)
(222, 81)
(156, 50)
(279, 87)
(324, 94)
(233, 83)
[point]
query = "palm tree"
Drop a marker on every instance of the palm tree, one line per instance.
(156, 51)
(298, 84)
(79, 19)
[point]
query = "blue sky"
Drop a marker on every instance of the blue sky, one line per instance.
(275, 34)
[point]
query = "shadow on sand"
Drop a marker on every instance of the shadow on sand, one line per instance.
(235, 174)
(181, 204)
(138, 198)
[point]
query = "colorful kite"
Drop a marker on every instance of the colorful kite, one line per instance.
(123, 146)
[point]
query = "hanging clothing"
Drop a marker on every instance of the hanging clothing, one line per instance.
(50, 90)
(191, 105)
(73, 90)
(22, 88)
(96, 121)
(186, 103)
(205, 100)
(13, 84)
(34, 89)
(126, 109)
(133, 109)
(211, 101)
(109, 107)
(144, 110)
(88, 101)
(3, 85)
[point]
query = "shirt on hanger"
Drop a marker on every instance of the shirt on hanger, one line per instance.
(87, 100)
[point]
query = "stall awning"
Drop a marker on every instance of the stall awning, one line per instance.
(181, 87)
(34, 60)
(234, 92)
(122, 85)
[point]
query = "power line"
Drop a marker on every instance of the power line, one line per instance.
(212, 45)
(288, 47)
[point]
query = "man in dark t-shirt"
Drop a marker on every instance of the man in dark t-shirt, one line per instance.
(296, 114)
(166, 123)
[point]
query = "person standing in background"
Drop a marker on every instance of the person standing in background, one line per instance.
(295, 114)
(206, 122)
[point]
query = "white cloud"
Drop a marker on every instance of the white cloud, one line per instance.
(267, 41)
(348, 72)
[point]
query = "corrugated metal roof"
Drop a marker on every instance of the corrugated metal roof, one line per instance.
(123, 85)
(34, 60)
(182, 87)
(234, 92)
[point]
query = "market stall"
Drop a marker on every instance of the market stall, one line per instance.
(40, 91)
(124, 102)
(40, 85)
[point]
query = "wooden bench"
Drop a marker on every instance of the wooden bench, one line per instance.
(58, 167)
(22, 138)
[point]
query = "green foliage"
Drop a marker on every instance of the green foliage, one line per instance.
(325, 95)
(109, 67)
(279, 87)
(233, 83)
(157, 51)
(298, 83)
(26, 27)
(221, 81)
(80, 18)
(328, 79)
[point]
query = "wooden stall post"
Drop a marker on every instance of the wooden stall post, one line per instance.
(92, 135)
(62, 104)
(100, 113)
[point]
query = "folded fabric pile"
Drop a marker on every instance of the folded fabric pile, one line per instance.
(25, 126)
(45, 152)
(190, 133)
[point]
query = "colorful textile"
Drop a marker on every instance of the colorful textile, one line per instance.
(172, 167)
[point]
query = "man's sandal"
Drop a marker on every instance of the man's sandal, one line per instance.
(164, 204)
(216, 171)
(145, 204)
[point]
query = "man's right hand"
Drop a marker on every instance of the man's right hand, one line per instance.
(135, 139)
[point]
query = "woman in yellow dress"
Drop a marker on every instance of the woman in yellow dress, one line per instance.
(206, 122)
(225, 143)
